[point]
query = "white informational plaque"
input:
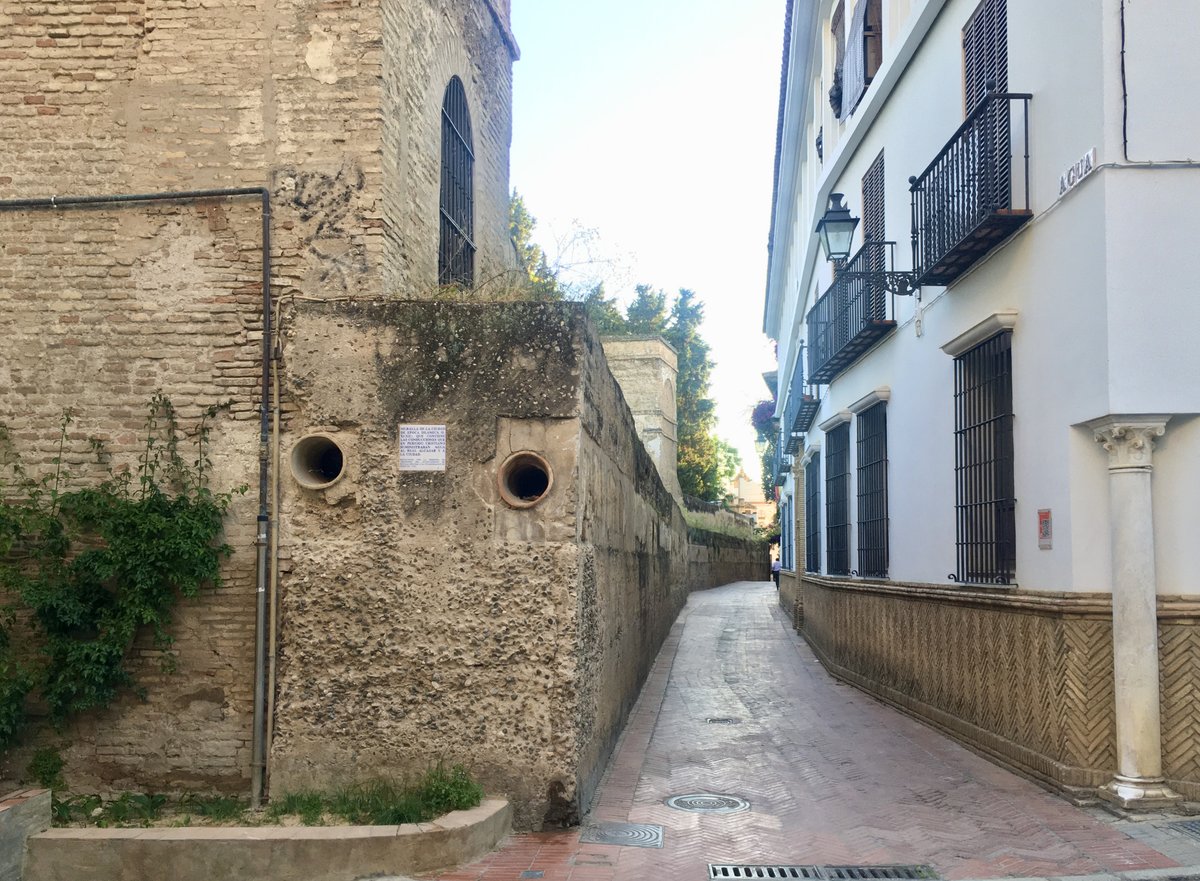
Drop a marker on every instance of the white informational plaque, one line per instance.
(422, 447)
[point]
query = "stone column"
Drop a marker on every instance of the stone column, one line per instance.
(1130, 444)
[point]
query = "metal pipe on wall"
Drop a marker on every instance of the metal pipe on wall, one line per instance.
(264, 531)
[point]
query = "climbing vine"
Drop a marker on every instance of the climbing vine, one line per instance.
(86, 565)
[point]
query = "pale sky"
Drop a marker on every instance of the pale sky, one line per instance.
(652, 122)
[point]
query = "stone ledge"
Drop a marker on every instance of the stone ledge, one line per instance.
(268, 853)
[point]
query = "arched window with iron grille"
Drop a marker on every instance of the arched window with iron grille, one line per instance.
(456, 242)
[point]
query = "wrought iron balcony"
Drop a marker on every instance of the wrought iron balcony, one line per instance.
(783, 464)
(802, 405)
(856, 312)
(963, 202)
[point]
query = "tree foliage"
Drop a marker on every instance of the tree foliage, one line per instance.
(705, 463)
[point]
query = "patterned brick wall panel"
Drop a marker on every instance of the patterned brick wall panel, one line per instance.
(1179, 682)
(1027, 678)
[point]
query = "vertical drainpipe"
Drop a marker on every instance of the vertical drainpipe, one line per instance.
(262, 541)
(258, 770)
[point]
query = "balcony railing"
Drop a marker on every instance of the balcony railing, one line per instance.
(783, 464)
(803, 402)
(963, 202)
(855, 313)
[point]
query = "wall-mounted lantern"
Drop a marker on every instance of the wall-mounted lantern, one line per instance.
(836, 229)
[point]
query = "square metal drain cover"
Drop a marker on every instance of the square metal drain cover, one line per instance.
(720, 872)
(623, 834)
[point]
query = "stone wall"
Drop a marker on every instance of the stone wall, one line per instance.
(646, 369)
(715, 559)
(1026, 678)
(426, 619)
(335, 108)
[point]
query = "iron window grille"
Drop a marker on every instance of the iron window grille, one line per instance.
(837, 500)
(984, 467)
(872, 492)
(456, 242)
(812, 514)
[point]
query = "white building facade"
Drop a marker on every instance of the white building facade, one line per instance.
(991, 403)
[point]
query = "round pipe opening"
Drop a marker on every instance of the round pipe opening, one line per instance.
(317, 461)
(525, 479)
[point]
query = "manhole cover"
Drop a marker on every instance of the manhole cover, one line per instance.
(719, 872)
(623, 834)
(708, 803)
(723, 720)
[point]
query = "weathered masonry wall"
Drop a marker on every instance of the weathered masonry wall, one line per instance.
(1028, 678)
(423, 619)
(426, 619)
(633, 541)
(336, 107)
(715, 559)
(99, 308)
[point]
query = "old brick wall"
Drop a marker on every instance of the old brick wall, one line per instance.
(99, 307)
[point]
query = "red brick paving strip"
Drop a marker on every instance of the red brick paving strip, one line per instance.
(833, 776)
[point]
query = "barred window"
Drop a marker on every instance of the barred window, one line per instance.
(837, 500)
(872, 492)
(812, 514)
(986, 533)
(456, 243)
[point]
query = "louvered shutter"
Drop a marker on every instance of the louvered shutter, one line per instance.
(854, 68)
(985, 59)
(875, 230)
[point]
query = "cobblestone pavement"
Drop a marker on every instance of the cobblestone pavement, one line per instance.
(833, 777)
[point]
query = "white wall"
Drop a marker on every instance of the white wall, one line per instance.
(1100, 280)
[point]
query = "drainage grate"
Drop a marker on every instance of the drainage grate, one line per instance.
(723, 720)
(852, 873)
(1190, 828)
(719, 872)
(708, 803)
(623, 834)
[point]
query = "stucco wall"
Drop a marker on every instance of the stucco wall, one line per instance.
(425, 619)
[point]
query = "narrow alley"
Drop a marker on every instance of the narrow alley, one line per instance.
(737, 705)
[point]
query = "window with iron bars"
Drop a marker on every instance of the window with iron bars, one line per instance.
(837, 500)
(812, 514)
(984, 467)
(872, 492)
(456, 242)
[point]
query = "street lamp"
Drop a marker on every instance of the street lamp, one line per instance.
(836, 229)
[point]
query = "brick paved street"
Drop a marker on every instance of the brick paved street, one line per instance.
(833, 777)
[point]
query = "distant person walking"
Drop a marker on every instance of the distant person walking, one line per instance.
(775, 567)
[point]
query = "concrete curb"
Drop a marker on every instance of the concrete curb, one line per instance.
(267, 853)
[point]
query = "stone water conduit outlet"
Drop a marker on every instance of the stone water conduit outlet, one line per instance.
(317, 461)
(524, 479)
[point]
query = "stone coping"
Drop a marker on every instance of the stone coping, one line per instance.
(269, 853)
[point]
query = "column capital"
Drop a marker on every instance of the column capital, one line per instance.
(1129, 440)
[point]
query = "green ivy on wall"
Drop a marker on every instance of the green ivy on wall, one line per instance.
(87, 565)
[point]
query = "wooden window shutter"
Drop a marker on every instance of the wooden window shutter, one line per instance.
(874, 226)
(864, 53)
(837, 28)
(985, 51)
